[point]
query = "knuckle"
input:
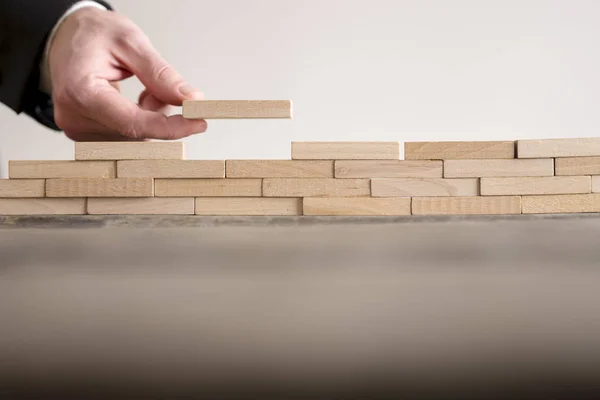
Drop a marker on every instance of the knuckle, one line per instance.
(162, 72)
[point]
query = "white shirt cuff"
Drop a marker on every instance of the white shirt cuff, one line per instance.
(45, 80)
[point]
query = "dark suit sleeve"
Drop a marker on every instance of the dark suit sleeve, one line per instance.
(24, 29)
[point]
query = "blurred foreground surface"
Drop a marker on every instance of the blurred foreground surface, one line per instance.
(300, 308)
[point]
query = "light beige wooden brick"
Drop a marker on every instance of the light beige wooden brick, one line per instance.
(359, 206)
(129, 151)
(466, 205)
(279, 169)
(459, 150)
(316, 187)
(561, 204)
(498, 168)
(208, 187)
(171, 169)
(22, 188)
(232, 109)
(43, 206)
(100, 187)
(248, 206)
(61, 169)
(141, 206)
(545, 148)
(577, 166)
(596, 184)
(424, 187)
(535, 185)
(345, 150)
(388, 169)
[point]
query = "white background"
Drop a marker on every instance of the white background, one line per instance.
(368, 70)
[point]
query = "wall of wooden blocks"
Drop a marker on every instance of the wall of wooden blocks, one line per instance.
(319, 178)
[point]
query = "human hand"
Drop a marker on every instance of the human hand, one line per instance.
(91, 52)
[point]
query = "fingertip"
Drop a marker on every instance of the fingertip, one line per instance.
(190, 93)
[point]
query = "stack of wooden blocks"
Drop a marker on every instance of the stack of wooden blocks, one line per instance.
(321, 178)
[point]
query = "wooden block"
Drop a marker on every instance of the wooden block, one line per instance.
(248, 206)
(208, 187)
(22, 188)
(279, 169)
(595, 184)
(577, 166)
(42, 206)
(458, 150)
(233, 109)
(360, 206)
(129, 151)
(274, 187)
(141, 206)
(536, 185)
(546, 148)
(171, 169)
(497, 168)
(561, 204)
(466, 205)
(61, 169)
(100, 187)
(345, 150)
(423, 187)
(388, 169)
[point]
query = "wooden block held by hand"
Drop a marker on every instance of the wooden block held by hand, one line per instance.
(388, 169)
(424, 187)
(459, 150)
(43, 206)
(208, 187)
(170, 169)
(141, 206)
(535, 185)
(299, 187)
(233, 109)
(19, 188)
(129, 151)
(359, 206)
(279, 169)
(248, 206)
(492, 205)
(61, 169)
(546, 148)
(561, 204)
(345, 150)
(577, 166)
(498, 168)
(100, 187)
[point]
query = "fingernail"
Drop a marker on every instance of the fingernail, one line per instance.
(191, 93)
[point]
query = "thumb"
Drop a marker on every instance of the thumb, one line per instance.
(157, 75)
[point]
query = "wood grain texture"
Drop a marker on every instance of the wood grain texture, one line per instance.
(459, 150)
(536, 185)
(561, 203)
(234, 109)
(22, 188)
(141, 206)
(424, 187)
(345, 150)
(388, 169)
(43, 206)
(61, 169)
(208, 187)
(359, 206)
(546, 148)
(299, 187)
(279, 169)
(129, 151)
(492, 205)
(596, 184)
(497, 168)
(100, 187)
(248, 206)
(577, 166)
(171, 169)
